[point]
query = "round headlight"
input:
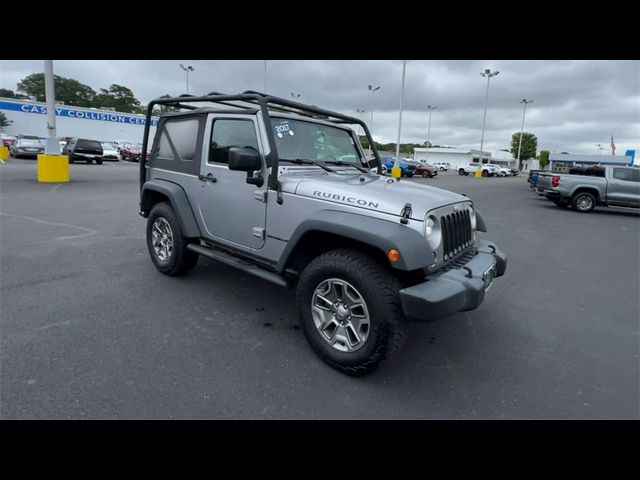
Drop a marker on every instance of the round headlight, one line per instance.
(432, 232)
(428, 230)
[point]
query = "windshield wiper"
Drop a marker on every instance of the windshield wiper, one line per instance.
(340, 163)
(300, 161)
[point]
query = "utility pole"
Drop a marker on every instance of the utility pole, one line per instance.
(488, 74)
(395, 171)
(525, 101)
(187, 69)
(430, 108)
(372, 89)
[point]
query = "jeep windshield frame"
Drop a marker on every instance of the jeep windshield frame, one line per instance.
(251, 101)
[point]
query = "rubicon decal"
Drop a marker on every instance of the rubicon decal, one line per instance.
(345, 199)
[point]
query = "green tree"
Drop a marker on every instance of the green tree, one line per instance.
(119, 97)
(160, 109)
(544, 158)
(529, 146)
(67, 90)
(4, 121)
(6, 93)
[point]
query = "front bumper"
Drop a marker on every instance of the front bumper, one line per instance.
(456, 290)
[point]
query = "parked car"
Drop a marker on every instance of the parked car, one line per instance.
(487, 169)
(131, 151)
(364, 254)
(500, 171)
(442, 166)
(28, 137)
(426, 170)
(121, 143)
(515, 172)
(609, 186)
(110, 151)
(83, 149)
(26, 148)
(407, 170)
(7, 140)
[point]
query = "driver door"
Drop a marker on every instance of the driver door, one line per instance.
(231, 210)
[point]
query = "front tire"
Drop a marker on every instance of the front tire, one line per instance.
(349, 308)
(584, 202)
(461, 172)
(167, 244)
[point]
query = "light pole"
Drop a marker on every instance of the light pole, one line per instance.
(525, 101)
(265, 77)
(488, 74)
(395, 171)
(599, 145)
(360, 115)
(430, 108)
(372, 89)
(187, 69)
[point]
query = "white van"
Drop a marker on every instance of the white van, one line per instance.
(442, 166)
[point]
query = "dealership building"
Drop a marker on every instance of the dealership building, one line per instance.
(453, 156)
(29, 117)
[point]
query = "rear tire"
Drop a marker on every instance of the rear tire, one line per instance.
(364, 282)
(167, 244)
(99, 161)
(584, 202)
(485, 173)
(461, 172)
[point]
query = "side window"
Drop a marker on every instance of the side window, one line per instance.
(231, 133)
(164, 149)
(636, 174)
(623, 174)
(184, 135)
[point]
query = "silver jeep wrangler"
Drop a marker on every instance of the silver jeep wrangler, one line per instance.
(283, 191)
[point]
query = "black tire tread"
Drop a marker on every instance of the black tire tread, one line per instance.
(182, 260)
(386, 286)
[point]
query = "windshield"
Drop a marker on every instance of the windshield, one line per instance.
(297, 139)
(108, 146)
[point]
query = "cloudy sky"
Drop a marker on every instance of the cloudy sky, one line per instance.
(577, 104)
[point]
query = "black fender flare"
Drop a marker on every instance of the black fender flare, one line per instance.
(378, 233)
(179, 201)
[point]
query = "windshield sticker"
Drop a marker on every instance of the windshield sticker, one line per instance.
(283, 129)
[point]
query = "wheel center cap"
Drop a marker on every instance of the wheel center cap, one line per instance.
(342, 312)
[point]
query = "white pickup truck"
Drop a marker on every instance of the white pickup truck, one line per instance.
(487, 170)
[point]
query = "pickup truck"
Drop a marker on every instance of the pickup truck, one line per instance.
(583, 190)
(488, 170)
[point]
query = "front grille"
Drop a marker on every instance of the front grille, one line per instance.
(456, 233)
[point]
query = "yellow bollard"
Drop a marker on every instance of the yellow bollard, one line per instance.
(478, 174)
(396, 172)
(4, 153)
(53, 168)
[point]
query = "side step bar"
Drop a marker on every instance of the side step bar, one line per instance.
(223, 257)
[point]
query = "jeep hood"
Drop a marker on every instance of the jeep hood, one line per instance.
(371, 192)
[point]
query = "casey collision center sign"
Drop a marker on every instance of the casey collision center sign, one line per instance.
(62, 111)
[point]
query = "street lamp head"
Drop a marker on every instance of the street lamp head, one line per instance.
(431, 107)
(188, 68)
(295, 95)
(373, 89)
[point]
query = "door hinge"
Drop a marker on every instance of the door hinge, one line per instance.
(258, 232)
(260, 195)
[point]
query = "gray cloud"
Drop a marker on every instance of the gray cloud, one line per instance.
(576, 103)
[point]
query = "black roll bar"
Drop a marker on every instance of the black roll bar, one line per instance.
(262, 101)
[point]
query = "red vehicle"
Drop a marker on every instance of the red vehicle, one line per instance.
(426, 170)
(131, 151)
(7, 140)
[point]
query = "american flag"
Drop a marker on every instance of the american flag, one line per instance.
(613, 146)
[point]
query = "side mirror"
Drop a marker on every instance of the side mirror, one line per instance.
(244, 159)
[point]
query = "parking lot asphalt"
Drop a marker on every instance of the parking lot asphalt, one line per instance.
(90, 329)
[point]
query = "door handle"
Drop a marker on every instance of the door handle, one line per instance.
(208, 178)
